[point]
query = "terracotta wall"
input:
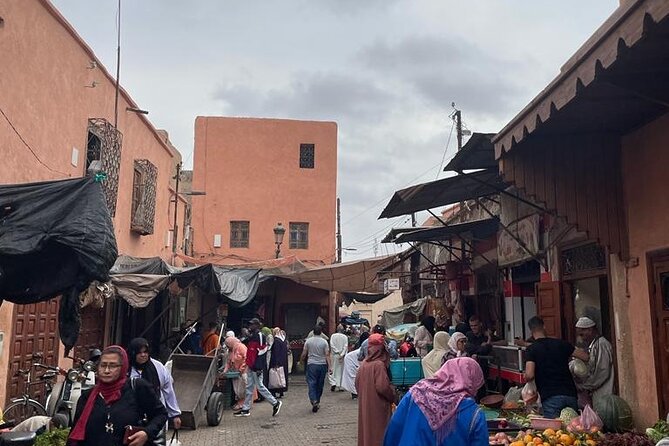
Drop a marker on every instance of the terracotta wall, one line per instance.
(644, 161)
(249, 169)
(45, 90)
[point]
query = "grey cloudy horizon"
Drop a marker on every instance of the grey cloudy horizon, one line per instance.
(386, 71)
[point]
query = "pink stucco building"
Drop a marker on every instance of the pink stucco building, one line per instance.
(59, 99)
(260, 172)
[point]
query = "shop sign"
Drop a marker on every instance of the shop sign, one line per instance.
(391, 285)
(509, 250)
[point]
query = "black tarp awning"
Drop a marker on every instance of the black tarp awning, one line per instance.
(363, 298)
(478, 153)
(56, 237)
(236, 286)
(443, 192)
(480, 229)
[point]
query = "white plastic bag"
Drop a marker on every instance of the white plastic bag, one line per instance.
(175, 439)
(529, 393)
(277, 378)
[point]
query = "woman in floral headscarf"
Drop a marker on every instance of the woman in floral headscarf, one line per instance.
(441, 410)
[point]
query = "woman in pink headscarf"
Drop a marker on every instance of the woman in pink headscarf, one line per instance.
(441, 410)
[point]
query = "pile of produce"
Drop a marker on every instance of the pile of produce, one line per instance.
(626, 439)
(659, 431)
(54, 437)
(549, 437)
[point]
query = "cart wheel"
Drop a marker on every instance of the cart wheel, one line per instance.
(214, 409)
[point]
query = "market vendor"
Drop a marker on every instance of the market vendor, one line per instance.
(599, 381)
(480, 342)
(548, 365)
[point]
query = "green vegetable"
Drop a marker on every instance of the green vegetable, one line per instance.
(55, 437)
(615, 413)
(567, 414)
(659, 431)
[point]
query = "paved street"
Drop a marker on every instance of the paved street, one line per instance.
(334, 424)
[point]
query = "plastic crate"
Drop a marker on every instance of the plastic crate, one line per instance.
(406, 372)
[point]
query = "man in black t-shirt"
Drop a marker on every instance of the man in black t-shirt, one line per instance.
(548, 365)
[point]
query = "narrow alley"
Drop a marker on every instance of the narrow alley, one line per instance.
(335, 424)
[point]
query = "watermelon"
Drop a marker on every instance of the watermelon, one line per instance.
(615, 413)
(567, 414)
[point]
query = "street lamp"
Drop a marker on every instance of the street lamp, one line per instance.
(279, 231)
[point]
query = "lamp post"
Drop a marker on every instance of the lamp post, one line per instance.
(279, 231)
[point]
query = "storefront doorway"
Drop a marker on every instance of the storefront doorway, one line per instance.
(659, 305)
(585, 284)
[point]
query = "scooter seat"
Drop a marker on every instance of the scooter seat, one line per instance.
(17, 438)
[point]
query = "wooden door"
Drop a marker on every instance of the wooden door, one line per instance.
(92, 331)
(35, 329)
(549, 308)
(660, 306)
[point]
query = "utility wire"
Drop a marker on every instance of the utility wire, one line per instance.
(28, 145)
(448, 142)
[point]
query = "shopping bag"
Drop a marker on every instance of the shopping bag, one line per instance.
(239, 386)
(175, 439)
(588, 422)
(277, 378)
(529, 393)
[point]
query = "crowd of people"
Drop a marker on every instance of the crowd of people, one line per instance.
(134, 398)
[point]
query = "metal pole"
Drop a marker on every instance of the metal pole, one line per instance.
(458, 128)
(339, 247)
(176, 205)
(118, 64)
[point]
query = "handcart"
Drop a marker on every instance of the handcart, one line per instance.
(195, 377)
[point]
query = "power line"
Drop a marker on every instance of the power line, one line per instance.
(448, 142)
(28, 145)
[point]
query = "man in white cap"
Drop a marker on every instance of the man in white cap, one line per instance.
(600, 378)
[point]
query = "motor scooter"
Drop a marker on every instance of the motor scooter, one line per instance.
(16, 438)
(65, 394)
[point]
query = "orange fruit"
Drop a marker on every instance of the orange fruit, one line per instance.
(548, 432)
(528, 438)
(538, 441)
(566, 440)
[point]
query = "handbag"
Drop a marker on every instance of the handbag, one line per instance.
(160, 438)
(277, 378)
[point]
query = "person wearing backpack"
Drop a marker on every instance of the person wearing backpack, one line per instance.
(256, 361)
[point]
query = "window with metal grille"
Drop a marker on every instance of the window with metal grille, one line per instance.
(143, 211)
(239, 234)
(299, 235)
(307, 156)
(104, 145)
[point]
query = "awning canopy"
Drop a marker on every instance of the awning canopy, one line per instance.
(443, 192)
(480, 229)
(138, 280)
(363, 298)
(357, 276)
(478, 153)
(396, 232)
(615, 82)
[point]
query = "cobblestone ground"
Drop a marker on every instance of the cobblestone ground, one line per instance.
(336, 423)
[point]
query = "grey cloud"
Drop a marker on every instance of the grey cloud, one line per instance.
(445, 69)
(329, 96)
(351, 7)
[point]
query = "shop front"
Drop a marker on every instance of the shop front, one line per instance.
(592, 147)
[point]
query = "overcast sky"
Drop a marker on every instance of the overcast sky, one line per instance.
(386, 71)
